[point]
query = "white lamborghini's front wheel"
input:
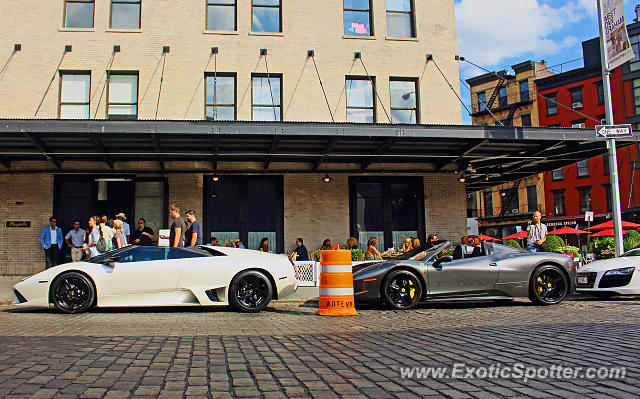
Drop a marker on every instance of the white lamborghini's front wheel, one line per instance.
(250, 291)
(72, 292)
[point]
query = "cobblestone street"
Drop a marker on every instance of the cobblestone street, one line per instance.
(287, 351)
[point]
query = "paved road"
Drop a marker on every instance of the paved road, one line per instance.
(287, 351)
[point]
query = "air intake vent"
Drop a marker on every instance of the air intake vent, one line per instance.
(213, 295)
(19, 297)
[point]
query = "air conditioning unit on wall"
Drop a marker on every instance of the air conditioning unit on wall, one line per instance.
(576, 105)
(515, 210)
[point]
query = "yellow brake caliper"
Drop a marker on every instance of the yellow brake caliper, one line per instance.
(539, 285)
(412, 291)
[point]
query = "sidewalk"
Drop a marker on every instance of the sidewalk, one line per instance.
(6, 290)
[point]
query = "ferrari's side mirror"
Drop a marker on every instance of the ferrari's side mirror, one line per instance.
(442, 259)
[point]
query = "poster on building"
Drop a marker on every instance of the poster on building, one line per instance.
(618, 47)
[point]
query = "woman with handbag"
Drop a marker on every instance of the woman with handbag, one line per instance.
(537, 234)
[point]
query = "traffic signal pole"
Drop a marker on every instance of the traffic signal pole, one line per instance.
(611, 142)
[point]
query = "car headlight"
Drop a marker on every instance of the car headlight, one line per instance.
(620, 272)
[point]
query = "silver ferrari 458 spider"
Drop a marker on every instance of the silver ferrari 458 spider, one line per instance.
(442, 272)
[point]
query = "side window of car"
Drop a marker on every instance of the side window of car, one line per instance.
(182, 253)
(144, 254)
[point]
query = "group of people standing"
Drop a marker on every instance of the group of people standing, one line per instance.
(179, 234)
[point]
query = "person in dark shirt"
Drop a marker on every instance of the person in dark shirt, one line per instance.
(178, 228)
(301, 250)
(193, 236)
(143, 235)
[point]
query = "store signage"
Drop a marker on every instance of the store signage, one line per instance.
(613, 131)
(17, 224)
(588, 216)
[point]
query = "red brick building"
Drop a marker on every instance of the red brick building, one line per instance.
(585, 185)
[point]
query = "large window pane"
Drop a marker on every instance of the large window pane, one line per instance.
(558, 202)
(357, 17)
(125, 14)
(221, 15)
(400, 18)
(359, 93)
(266, 96)
(123, 97)
(403, 101)
(266, 16)
(220, 95)
(78, 14)
(74, 96)
(532, 198)
(584, 194)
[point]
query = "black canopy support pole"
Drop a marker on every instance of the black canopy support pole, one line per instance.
(274, 146)
(384, 146)
(216, 150)
(375, 90)
(327, 149)
(106, 80)
(67, 48)
(97, 143)
(39, 144)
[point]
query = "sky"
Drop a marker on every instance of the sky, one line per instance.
(496, 34)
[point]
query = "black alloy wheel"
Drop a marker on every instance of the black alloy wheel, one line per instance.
(402, 289)
(250, 291)
(548, 285)
(72, 292)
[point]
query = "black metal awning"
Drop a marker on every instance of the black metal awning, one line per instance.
(489, 155)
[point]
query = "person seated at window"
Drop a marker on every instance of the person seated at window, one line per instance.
(415, 242)
(326, 245)
(352, 243)
(264, 245)
(372, 252)
(477, 247)
(407, 246)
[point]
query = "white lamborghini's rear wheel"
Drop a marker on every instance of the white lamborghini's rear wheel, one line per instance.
(250, 291)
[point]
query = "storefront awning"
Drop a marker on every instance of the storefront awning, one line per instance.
(488, 155)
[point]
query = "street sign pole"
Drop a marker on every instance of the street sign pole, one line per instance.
(611, 142)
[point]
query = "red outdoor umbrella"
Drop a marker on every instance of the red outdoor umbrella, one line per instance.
(567, 230)
(521, 234)
(487, 238)
(605, 233)
(609, 225)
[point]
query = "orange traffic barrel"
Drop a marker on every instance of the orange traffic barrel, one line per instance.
(336, 284)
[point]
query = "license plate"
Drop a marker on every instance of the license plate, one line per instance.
(583, 280)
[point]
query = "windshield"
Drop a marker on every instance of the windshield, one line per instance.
(422, 252)
(633, 252)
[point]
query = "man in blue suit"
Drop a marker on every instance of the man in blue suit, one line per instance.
(51, 240)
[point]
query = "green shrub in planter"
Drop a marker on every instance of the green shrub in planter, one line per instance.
(575, 251)
(357, 255)
(316, 255)
(512, 243)
(553, 243)
(631, 240)
(604, 248)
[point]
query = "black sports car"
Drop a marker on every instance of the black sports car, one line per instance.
(443, 272)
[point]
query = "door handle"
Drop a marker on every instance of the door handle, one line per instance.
(493, 264)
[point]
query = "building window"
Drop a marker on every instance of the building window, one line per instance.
(532, 198)
(525, 119)
(357, 17)
(583, 168)
(524, 90)
(472, 211)
(502, 97)
(558, 202)
(78, 13)
(221, 15)
(600, 91)
(584, 193)
(125, 14)
(634, 64)
(386, 208)
(513, 204)
(123, 96)
(578, 123)
(552, 105)
(556, 174)
(220, 97)
(75, 90)
(404, 100)
(482, 101)
(267, 16)
(607, 193)
(400, 18)
(267, 97)
(576, 98)
(635, 84)
(360, 100)
(488, 203)
(605, 163)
